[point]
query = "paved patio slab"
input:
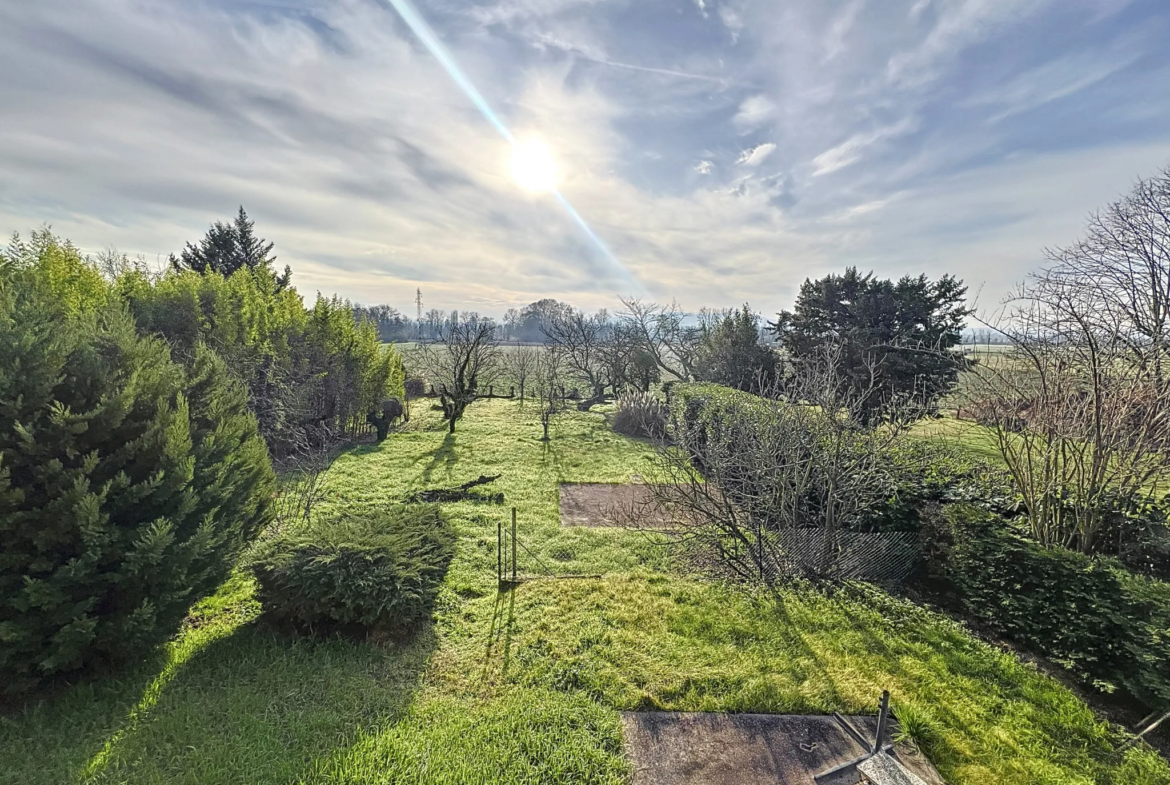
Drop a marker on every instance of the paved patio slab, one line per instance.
(683, 748)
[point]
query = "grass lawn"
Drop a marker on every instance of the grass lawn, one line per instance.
(524, 687)
(977, 440)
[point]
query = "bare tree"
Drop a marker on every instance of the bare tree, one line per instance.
(743, 477)
(519, 363)
(663, 332)
(548, 384)
(1082, 423)
(581, 341)
(113, 263)
(1120, 272)
(465, 359)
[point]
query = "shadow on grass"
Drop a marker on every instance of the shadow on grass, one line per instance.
(446, 455)
(248, 707)
(500, 633)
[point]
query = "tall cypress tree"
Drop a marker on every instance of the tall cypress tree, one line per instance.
(128, 483)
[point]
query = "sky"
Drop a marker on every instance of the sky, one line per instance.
(715, 152)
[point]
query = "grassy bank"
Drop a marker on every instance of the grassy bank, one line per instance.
(525, 687)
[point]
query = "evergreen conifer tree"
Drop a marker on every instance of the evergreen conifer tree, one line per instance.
(228, 247)
(128, 483)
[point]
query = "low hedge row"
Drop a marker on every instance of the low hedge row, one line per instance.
(1107, 625)
(378, 571)
(916, 471)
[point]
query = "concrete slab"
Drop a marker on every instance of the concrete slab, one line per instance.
(683, 748)
(882, 769)
(610, 504)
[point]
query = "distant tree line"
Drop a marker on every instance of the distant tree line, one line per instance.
(895, 342)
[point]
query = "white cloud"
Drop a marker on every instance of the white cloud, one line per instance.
(732, 21)
(704, 167)
(755, 156)
(850, 151)
(840, 28)
(753, 112)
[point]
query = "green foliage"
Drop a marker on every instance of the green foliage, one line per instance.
(127, 483)
(69, 281)
(924, 472)
(380, 570)
(730, 354)
(897, 336)
(1110, 627)
(311, 373)
(526, 686)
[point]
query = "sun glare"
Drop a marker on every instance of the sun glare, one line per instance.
(532, 165)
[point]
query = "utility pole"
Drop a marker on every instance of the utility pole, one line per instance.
(418, 310)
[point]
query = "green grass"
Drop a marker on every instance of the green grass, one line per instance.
(977, 440)
(524, 687)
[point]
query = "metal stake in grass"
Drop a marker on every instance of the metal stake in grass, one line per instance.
(513, 545)
(878, 747)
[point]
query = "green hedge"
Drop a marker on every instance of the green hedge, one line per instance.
(916, 471)
(1107, 625)
(379, 571)
(128, 482)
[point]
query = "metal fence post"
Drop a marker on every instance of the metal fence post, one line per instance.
(513, 545)
(883, 716)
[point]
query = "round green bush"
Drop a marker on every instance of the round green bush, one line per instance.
(128, 483)
(377, 571)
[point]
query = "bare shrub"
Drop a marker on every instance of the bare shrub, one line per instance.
(1082, 427)
(640, 414)
(1080, 404)
(744, 471)
(301, 485)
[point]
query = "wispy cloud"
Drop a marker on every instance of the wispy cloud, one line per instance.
(840, 28)
(959, 24)
(1052, 81)
(732, 20)
(754, 111)
(851, 150)
(722, 158)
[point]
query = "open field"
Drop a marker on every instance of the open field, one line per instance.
(526, 686)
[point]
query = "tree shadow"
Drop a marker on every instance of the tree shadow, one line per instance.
(551, 454)
(446, 455)
(251, 706)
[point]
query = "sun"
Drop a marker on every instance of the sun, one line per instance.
(532, 165)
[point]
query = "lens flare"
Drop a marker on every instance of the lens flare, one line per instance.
(537, 165)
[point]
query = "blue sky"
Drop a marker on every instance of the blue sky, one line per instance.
(724, 151)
